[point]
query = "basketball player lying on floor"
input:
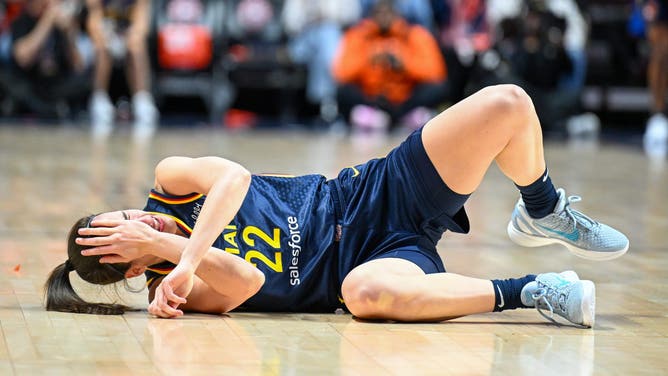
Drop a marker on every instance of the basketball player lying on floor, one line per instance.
(214, 238)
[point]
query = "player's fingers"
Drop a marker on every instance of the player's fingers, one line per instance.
(172, 297)
(106, 222)
(154, 310)
(95, 241)
(159, 297)
(164, 310)
(96, 231)
(112, 259)
(101, 250)
(171, 311)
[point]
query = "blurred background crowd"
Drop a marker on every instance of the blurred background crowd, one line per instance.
(366, 64)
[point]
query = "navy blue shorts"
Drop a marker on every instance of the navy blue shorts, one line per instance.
(398, 207)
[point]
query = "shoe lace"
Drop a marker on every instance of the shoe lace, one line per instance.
(545, 295)
(576, 216)
(552, 299)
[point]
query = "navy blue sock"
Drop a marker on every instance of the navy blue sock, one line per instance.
(507, 292)
(540, 197)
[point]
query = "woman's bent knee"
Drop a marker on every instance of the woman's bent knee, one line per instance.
(371, 299)
(510, 106)
(507, 99)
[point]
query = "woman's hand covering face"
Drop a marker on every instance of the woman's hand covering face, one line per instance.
(117, 240)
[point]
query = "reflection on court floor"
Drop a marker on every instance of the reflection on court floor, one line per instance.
(49, 177)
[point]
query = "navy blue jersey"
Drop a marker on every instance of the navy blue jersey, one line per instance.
(306, 233)
(286, 227)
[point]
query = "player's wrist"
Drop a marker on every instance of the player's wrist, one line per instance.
(188, 264)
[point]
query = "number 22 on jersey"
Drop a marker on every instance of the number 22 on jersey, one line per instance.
(253, 236)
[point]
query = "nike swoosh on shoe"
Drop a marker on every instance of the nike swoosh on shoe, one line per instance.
(572, 236)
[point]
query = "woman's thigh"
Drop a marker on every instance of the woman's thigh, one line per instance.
(463, 140)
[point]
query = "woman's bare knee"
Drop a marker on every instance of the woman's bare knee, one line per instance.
(367, 297)
(388, 302)
(508, 102)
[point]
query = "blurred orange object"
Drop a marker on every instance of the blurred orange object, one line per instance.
(17, 268)
(239, 119)
(184, 46)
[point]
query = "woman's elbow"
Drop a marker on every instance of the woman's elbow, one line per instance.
(242, 177)
(256, 282)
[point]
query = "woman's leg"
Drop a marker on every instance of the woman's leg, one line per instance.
(498, 123)
(392, 288)
(397, 289)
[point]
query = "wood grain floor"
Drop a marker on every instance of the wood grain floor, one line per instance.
(51, 176)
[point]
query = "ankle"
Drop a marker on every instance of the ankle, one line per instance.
(540, 197)
(508, 292)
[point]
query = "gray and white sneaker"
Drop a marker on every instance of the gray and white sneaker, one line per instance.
(531, 287)
(564, 294)
(582, 235)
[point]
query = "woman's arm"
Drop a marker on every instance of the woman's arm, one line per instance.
(202, 299)
(225, 184)
(223, 281)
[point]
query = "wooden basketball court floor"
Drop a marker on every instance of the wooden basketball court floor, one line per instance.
(49, 176)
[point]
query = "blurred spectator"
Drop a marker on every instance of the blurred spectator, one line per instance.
(464, 34)
(315, 29)
(561, 30)
(388, 70)
(575, 39)
(532, 53)
(572, 84)
(119, 30)
(417, 12)
(258, 61)
(656, 133)
(9, 11)
(47, 71)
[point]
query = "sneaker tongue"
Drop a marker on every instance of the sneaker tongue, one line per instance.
(562, 202)
(527, 291)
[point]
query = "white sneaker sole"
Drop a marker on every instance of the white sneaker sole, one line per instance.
(536, 241)
(588, 304)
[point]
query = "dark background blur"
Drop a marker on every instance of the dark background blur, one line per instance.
(222, 74)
